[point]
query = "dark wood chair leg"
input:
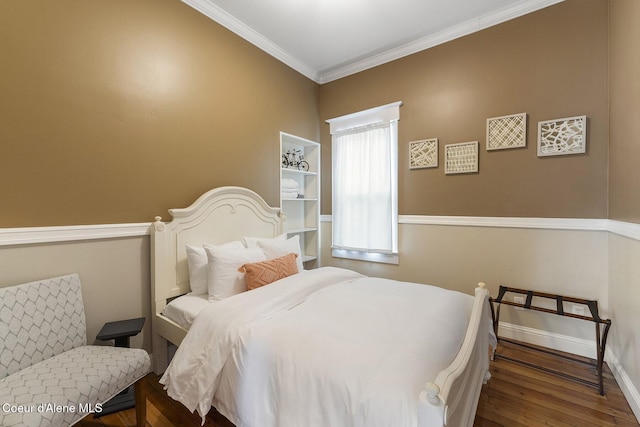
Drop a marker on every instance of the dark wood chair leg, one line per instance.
(140, 388)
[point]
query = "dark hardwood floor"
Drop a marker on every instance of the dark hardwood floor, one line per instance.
(515, 396)
(518, 395)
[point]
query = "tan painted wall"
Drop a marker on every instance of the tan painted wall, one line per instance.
(115, 111)
(549, 64)
(114, 274)
(624, 197)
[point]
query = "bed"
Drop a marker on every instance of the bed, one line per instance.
(317, 347)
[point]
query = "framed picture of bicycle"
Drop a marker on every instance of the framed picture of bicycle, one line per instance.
(423, 154)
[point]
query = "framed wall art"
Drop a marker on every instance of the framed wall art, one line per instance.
(423, 153)
(461, 157)
(562, 136)
(507, 132)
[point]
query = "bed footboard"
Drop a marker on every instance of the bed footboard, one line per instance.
(452, 399)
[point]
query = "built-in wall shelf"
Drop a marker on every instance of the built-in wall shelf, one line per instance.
(300, 193)
(302, 230)
(297, 172)
(308, 258)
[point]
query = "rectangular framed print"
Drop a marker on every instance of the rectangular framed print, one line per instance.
(461, 157)
(562, 136)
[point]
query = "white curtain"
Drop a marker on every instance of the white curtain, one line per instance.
(365, 188)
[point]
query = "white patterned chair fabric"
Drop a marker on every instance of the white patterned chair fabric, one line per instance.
(39, 320)
(48, 375)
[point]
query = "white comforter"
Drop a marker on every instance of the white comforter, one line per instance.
(326, 347)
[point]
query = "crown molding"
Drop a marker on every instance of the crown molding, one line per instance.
(219, 15)
(510, 12)
(228, 21)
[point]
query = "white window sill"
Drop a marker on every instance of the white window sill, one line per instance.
(365, 256)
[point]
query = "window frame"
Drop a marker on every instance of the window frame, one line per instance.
(386, 113)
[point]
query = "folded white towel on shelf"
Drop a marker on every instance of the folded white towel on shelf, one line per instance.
(289, 184)
(289, 194)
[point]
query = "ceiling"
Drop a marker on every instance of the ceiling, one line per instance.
(329, 39)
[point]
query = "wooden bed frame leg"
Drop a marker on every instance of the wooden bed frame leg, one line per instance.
(160, 355)
(140, 388)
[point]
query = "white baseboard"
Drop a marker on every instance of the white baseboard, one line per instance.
(579, 346)
(625, 383)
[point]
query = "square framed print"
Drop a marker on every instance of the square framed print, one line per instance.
(507, 132)
(423, 154)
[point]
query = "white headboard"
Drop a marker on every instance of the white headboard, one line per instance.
(219, 216)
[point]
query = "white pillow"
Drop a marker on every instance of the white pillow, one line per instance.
(276, 248)
(252, 242)
(224, 278)
(197, 262)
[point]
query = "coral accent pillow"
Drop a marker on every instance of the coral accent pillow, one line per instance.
(262, 273)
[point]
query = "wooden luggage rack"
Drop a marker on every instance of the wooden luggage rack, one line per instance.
(602, 329)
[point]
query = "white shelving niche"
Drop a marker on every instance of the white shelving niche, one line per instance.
(302, 214)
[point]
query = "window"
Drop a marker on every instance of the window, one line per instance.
(365, 184)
